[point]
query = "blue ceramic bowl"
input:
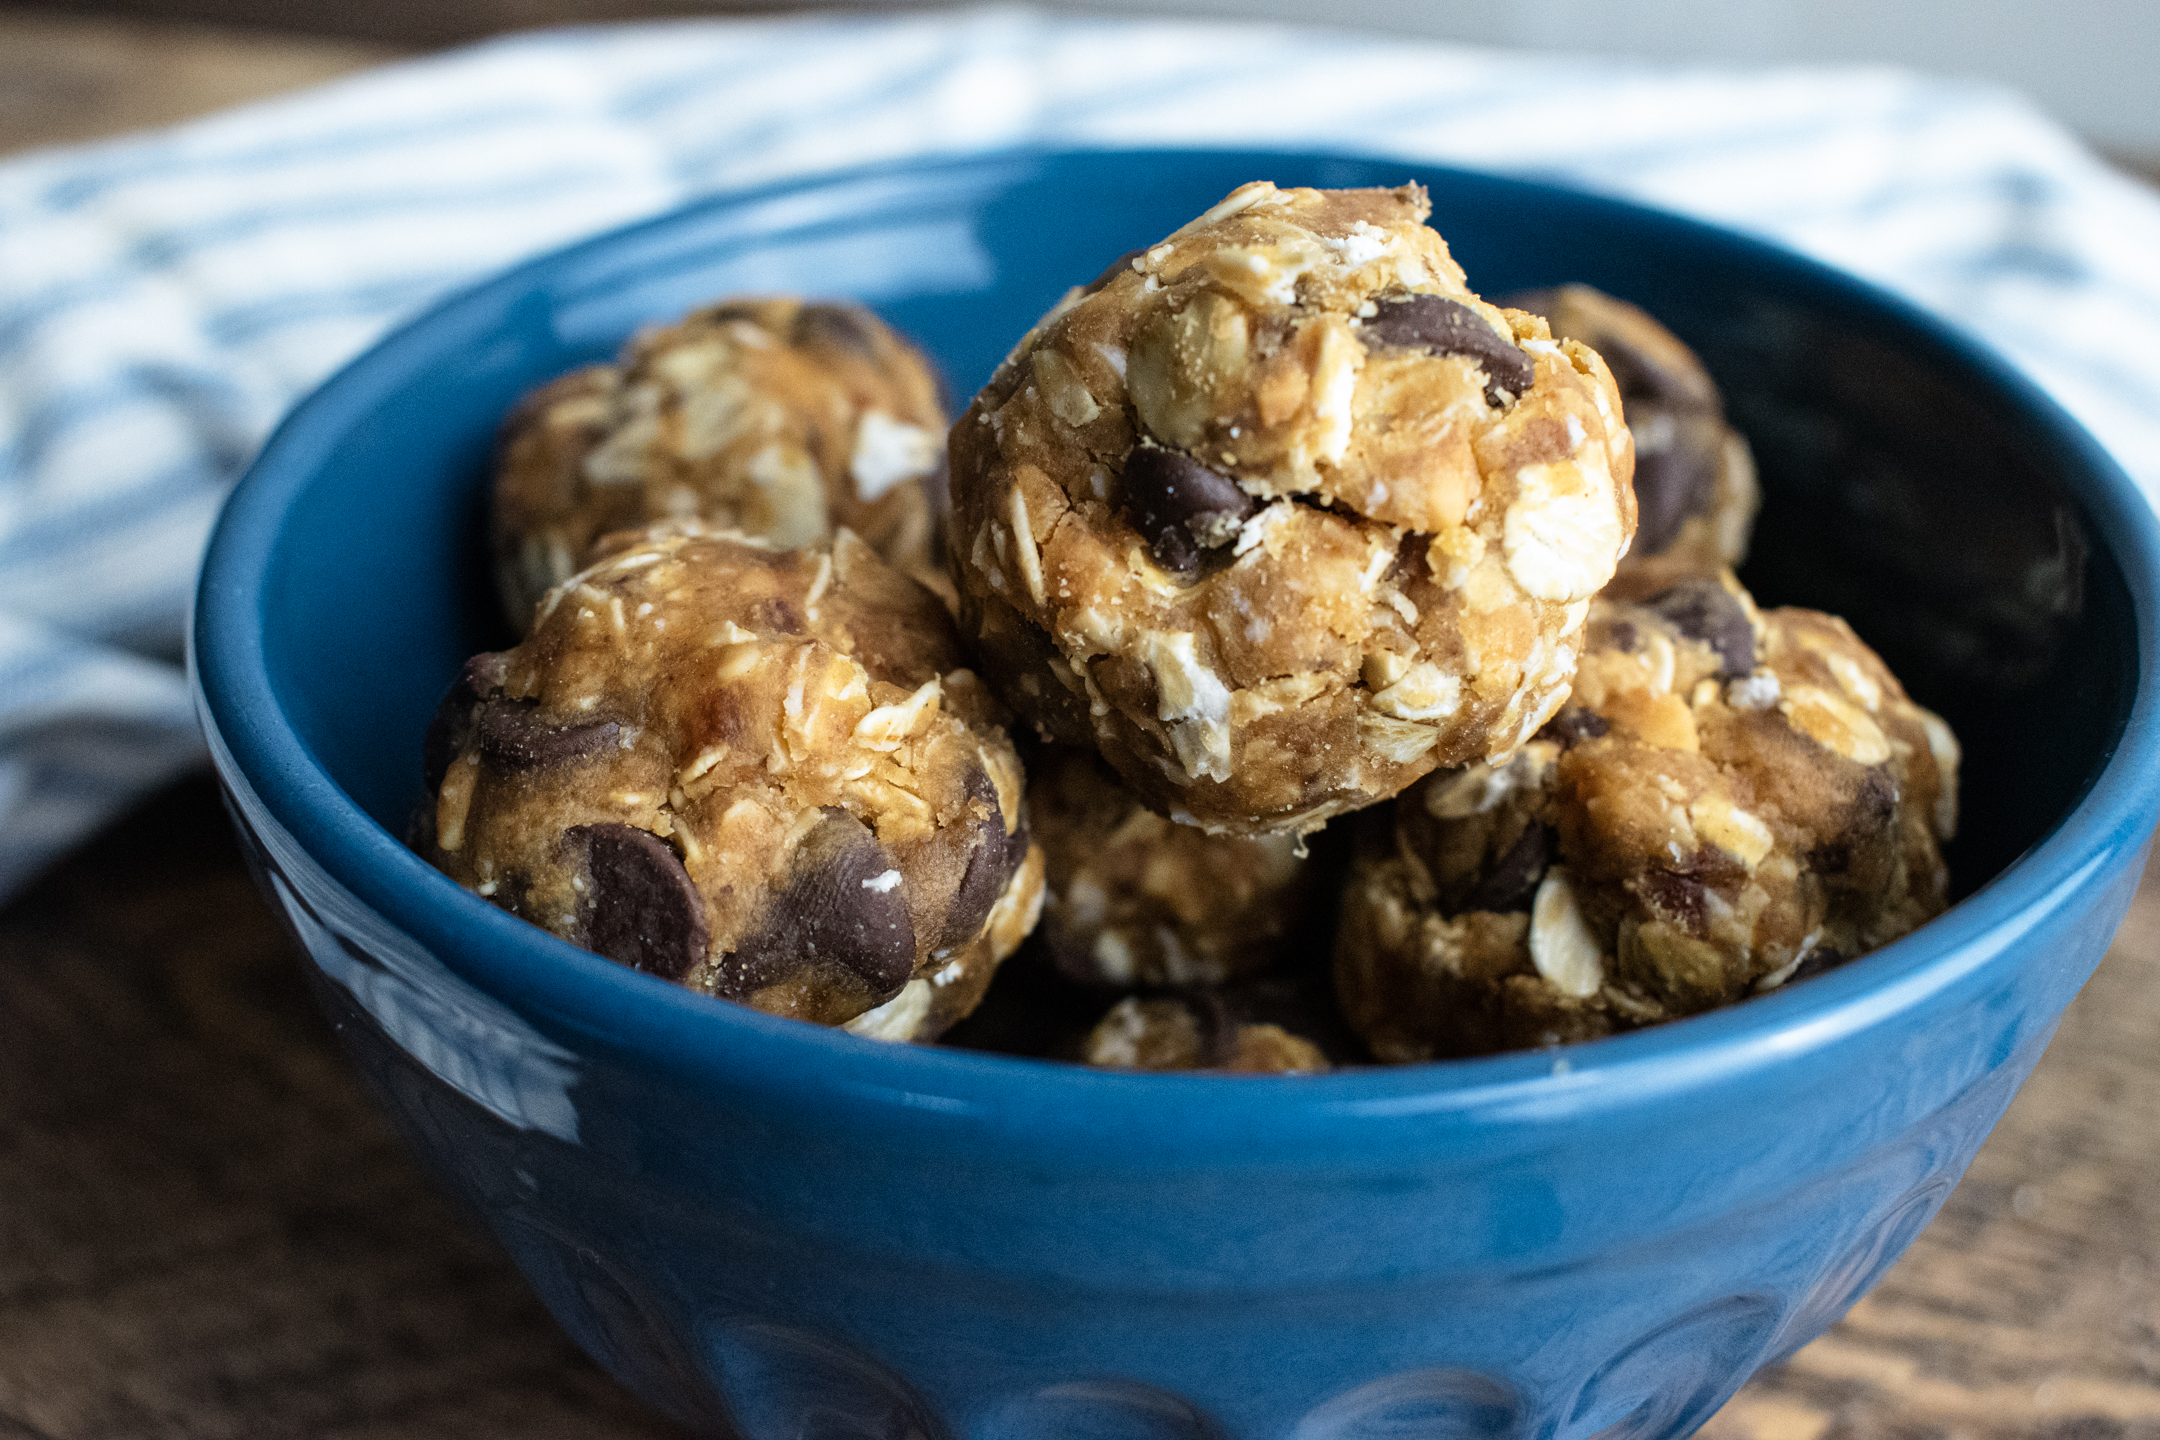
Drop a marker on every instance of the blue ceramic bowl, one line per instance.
(772, 1230)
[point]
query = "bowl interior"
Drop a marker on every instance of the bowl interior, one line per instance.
(1899, 491)
(1912, 483)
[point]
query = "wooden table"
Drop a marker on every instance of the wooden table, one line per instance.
(206, 1232)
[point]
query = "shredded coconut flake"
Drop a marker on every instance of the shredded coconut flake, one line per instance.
(888, 451)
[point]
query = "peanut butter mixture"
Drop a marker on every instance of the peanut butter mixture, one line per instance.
(1275, 521)
(1279, 515)
(1733, 798)
(766, 774)
(1137, 900)
(1195, 1032)
(777, 418)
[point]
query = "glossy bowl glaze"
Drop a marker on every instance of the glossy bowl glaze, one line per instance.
(771, 1230)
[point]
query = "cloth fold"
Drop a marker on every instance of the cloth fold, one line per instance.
(164, 298)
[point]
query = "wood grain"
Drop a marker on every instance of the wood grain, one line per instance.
(205, 1229)
(65, 78)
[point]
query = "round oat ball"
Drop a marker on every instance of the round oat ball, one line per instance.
(764, 774)
(1196, 1030)
(1695, 491)
(778, 418)
(1279, 515)
(1135, 900)
(1733, 799)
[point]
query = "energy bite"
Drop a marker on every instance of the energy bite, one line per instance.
(778, 418)
(1733, 799)
(1135, 900)
(1279, 515)
(1695, 491)
(1195, 1030)
(766, 775)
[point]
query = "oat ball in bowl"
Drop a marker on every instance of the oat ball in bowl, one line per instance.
(1132, 899)
(1732, 801)
(768, 1228)
(772, 415)
(766, 774)
(1278, 514)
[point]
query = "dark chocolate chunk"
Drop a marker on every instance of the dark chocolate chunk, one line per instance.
(840, 905)
(1182, 506)
(1449, 327)
(1574, 725)
(451, 729)
(1704, 610)
(640, 907)
(837, 327)
(1113, 270)
(993, 856)
(1679, 899)
(1676, 470)
(513, 736)
(1511, 882)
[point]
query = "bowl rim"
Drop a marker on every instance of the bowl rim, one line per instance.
(1051, 1107)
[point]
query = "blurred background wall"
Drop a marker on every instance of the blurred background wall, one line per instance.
(2094, 63)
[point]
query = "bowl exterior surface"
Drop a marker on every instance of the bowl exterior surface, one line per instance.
(769, 1230)
(772, 1277)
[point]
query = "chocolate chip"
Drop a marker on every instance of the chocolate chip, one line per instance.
(1449, 327)
(1511, 882)
(1574, 725)
(1679, 899)
(1676, 469)
(1704, 610)
(993, 856)
(451, 729)
(841, 906)
(1182, 506)
(513, 736)
(837, 327)
(1116, 267)
(640, 907)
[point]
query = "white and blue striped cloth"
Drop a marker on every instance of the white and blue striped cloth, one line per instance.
(164, 298)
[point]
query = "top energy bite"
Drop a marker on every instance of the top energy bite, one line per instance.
(1279, 515)
(776, 418)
